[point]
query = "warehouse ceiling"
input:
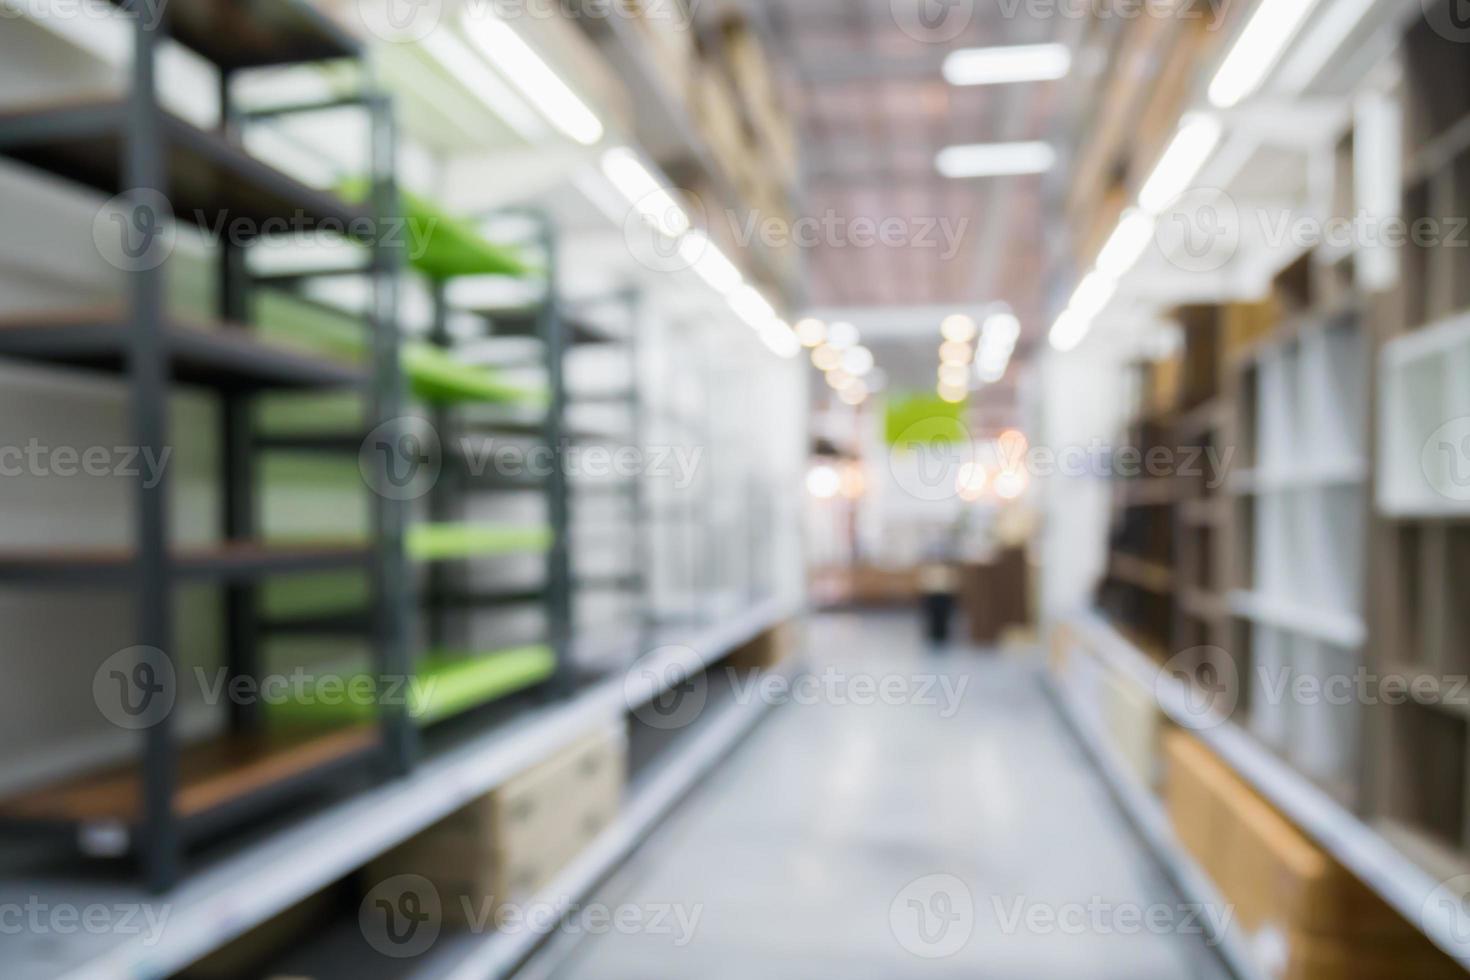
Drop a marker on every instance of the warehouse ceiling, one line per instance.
(873, 111)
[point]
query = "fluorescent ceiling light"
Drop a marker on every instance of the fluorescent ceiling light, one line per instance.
(1069, 330)
(1181, 162)
(535, 79)
(1016, 63)
(1127, 243)
(1256, 51)
(1092, 294)
(1325, 39)
(779, 339)
(484, 84)
(995, 160)
(709, 263)
(645, 192)
(752, 307)
(1001, 328)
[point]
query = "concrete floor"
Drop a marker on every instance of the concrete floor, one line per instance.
(906, 839)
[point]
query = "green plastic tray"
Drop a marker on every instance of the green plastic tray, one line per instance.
(436, 542)
(446, 684)
(433, 374)
(442, 246)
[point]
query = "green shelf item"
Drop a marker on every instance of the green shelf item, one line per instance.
(437, 542)
(434, 375)
(445, 684)
(324, 594)
(442, 246)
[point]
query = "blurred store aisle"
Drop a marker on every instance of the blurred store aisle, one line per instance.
(845, 836)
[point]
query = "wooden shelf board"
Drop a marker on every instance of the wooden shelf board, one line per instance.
(210, 178)
(1142, 573)
(256, 34)
(221, 356)
(211, 774)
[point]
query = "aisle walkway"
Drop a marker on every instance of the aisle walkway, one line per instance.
(958, 831)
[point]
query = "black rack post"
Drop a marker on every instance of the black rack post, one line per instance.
(145, 175)
(559, 603)
(391, 587)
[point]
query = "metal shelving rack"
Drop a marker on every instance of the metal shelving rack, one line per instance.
(545, 322)
(132, 144)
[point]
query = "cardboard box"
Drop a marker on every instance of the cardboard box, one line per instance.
(1134, 723)
(1305, 915)
(770, 648)
(510, 844)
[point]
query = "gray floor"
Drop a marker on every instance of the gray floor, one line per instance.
(897, 840)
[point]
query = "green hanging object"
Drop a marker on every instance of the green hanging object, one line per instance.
(442, 246)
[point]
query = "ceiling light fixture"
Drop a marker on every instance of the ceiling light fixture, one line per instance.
(1005, 65)
(645, 192)
(1127, 243)
(857, 361)
(842, 335)
(811, 332)
(995, 160)
(958, 328)
(499, 43)
(1186, 155)
(1259, 47)
(709, 263)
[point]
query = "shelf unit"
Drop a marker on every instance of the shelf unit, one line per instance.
(1139, 589)
(1372, 851)
(446, 544)
(1421, 546)
(177, 795)
(273, 871)
(1300, 502)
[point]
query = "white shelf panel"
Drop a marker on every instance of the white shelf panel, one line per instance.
(1424, 426)
(1342, 629)
(241, 891)
(1363, 850)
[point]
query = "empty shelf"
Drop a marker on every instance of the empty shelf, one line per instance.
(221, 562)
(211, 775)
(210, 179)
(217, 356)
